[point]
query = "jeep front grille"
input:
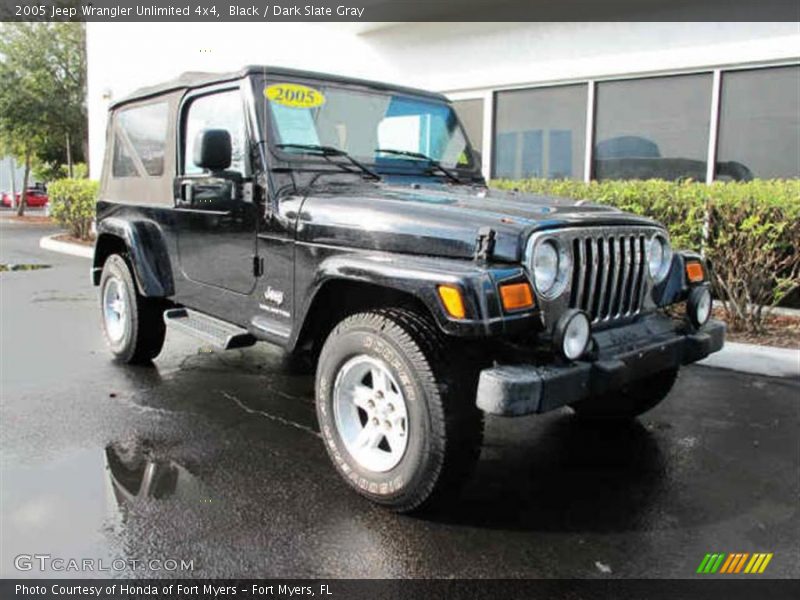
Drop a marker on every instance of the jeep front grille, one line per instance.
(609, 273)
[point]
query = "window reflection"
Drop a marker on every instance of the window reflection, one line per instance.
(759, 130)
(470, 112)
(540, 133)
(654, 128)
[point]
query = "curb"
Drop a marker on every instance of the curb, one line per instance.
(777, 310)
(49, 243)
(758, 360)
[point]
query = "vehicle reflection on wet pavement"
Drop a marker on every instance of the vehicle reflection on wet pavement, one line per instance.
(214, 458)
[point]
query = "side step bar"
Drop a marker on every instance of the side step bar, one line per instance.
(221, 334)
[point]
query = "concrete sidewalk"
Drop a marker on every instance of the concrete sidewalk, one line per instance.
(49, 242)
(759, 360)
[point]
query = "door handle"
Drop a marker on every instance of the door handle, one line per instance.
(186, 195)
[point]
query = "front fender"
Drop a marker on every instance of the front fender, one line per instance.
(144, 242)
(420, 278)
(676, 286)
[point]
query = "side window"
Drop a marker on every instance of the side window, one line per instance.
(222, 110)
(140, 136)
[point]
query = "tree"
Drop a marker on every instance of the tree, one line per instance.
(43, 115)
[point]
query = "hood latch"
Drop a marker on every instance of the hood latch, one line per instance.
(484, 244)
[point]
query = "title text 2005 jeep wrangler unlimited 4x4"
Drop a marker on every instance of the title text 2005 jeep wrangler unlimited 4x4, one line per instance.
(348, 221)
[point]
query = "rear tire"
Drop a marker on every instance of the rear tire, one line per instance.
(630, 401)
(133, 324)
(396, 409)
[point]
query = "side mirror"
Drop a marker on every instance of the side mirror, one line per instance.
(212, 149)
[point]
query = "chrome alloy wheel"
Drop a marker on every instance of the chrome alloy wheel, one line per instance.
(115, 309)
(370, 413)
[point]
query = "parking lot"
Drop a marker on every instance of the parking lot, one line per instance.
(214, 458)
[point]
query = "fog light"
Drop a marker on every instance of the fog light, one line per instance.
(698, 307)
(571, 334)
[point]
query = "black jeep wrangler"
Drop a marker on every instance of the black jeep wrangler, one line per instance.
(348, 222)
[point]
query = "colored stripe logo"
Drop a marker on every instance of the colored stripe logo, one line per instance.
(737, 562)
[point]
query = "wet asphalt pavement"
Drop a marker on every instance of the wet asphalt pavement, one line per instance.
(213, 457)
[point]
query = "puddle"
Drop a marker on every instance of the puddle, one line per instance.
(137, 475)
(22, 267)
(59, 507)
(80, 504)
(60, 298)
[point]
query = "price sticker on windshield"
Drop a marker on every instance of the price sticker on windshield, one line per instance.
(294, 95)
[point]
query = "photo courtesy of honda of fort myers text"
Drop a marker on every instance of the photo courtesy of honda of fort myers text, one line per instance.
(406, 300)
(98, 589)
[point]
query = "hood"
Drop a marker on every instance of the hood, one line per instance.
(441, 221)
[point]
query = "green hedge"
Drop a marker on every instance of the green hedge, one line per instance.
(752, 230)
(72, 204)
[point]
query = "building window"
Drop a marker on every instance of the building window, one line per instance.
(470, 113)
(759, 127)
(140, 136)
(654, 128)
(540, 133)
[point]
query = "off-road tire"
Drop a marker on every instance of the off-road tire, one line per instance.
(145, 330)
(445, 428)
(629, 401)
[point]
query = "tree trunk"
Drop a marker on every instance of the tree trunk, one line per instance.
(69, 157)
(85, 148)
(23, 195)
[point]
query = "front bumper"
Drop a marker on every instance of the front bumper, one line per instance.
(623, 355)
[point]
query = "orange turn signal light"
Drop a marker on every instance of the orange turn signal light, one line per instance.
(694, 272)
(453, 301)
(516, 296)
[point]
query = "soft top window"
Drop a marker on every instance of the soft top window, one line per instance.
(140, 135)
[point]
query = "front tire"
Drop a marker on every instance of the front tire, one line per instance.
(397, 409)
(630, 401)
(133, 324)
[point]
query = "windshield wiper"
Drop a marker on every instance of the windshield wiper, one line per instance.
(329, 151)
(435, 164)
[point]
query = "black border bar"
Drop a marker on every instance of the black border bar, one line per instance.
(399, 10)
(730, 588)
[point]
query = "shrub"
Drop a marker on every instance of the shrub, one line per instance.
(72, 204)
(754, 245)
(749, 230)
(51, 171)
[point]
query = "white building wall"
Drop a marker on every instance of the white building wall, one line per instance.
(125, 56)
(468, 56)
(9, 167)
(463, 59)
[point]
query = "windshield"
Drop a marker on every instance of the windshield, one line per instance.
(378, 128)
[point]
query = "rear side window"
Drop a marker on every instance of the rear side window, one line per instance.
(140, 135)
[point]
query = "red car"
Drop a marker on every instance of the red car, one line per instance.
(35, 198)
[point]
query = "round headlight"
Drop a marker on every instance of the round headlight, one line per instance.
(659, 258)
(545, 266)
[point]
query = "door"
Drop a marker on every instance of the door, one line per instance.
(216, 219)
